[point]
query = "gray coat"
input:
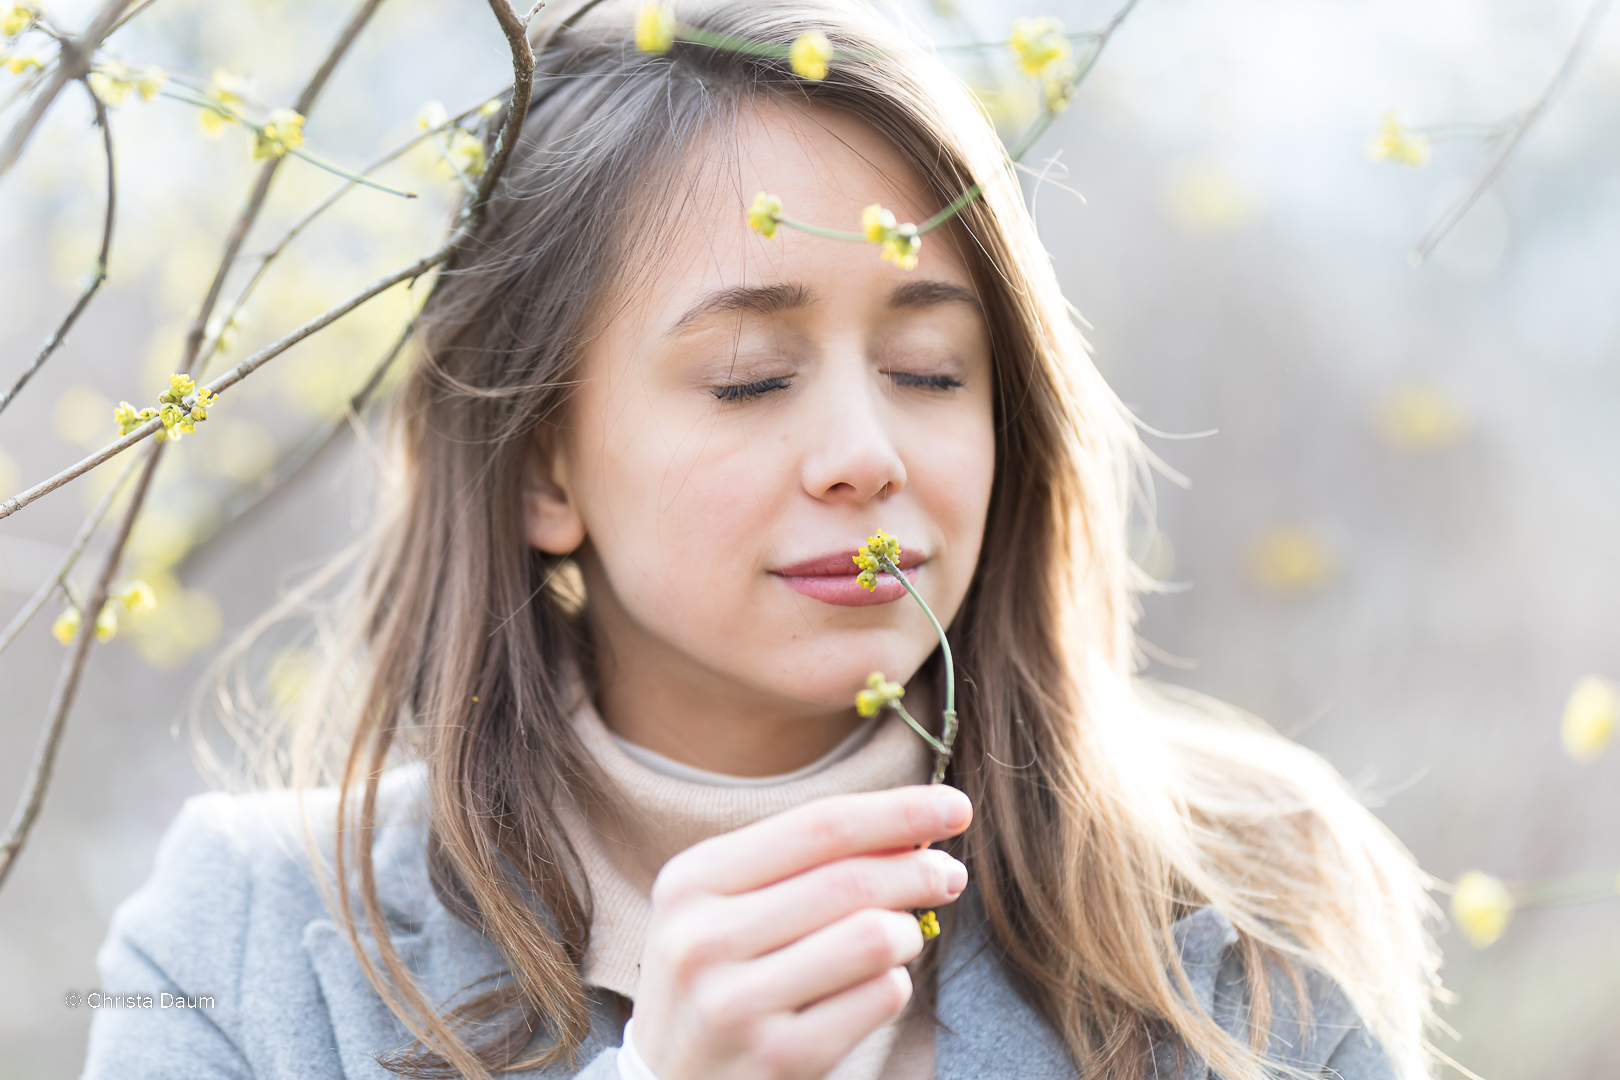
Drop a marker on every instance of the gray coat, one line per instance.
(231, 914)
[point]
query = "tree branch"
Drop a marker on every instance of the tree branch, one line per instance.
(96, 278)
(72, 63)
(1459, 209)
(517, 109)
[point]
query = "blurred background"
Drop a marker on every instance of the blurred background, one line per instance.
(1400, 547)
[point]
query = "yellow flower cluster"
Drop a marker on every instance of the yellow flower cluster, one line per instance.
(179, 416)
(867, 555)
(765, 214)
(900, 243)
(878, 695)
(1481, 906)
(1395, 143)
(281, 133)
(136, 596)
(224, 95)
(655, 28)
(1044, 52)
(928, 923)
(810, 54)
(112, 82)
(465, 151)
(1589, 718)
(17, 18)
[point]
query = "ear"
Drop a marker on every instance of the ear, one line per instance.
(551, 518)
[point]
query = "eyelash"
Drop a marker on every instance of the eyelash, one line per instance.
(750, 391)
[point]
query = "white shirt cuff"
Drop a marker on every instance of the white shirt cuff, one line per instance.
(631, 1067)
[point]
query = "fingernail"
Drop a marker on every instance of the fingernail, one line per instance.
(954, 808)
(956, 874)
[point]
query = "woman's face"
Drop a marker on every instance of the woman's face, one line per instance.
(751, 413)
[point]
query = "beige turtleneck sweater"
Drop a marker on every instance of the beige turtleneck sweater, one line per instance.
(666, 807)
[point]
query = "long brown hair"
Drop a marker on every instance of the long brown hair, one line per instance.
(1105, 808)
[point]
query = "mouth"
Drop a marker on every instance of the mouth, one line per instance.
(832, 579)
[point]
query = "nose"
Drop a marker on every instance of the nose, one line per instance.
(852, 457)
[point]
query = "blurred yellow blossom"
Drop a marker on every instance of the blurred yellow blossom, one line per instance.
(21, 62)
(77, 416)
(878, 695)
(655, 28)
(1038, 44)
(112, 82)
(1206, 196)
(283, 131)
(106, 623)
(1481, 906)
(1418, 417)
(66, 625)
(762, 216)
(15, 18)
(224, 95)
(899, 243)
(490, 107)
(467, 152)
(290, 671)
(137, 596)
(1589, 718)
(1291, 559)
(1395, 143)
(928, 923)
(431, 115)
(810, 54)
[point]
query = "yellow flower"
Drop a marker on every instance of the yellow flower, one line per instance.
(490, 107)
(224, 94)
(431, 115)
(810, 54)
(125, 417)
(1589, 718)
(137, 596)
(655, 28)
(866, 557)
(179, 387)
(878, 695)
(1481, 905)
(762, 216)
(171, 414)
(112, 82)
(106, 623)
(899, 243)
(24, 61)
(17, 18)
(66, 625)
(467, 150)
(1038, 43)
(1395, 143)
(1060, 82)
(281, 133)
(928, 923)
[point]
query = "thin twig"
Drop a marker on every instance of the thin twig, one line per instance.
(72, 63)
(261, 188)
(98, 276)
(233, 376)
(269, 256)
(517, 38)
(59, 576)
(302, 456)
(1457, 210)
(67, 684)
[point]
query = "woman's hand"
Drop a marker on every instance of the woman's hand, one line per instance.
(776, 948)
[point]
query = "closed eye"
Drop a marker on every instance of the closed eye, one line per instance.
(927, 382)
(749, 391)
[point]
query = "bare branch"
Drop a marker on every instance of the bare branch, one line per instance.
(67, 684)
(59, 576)
(73, 63)
(517, 110)
(98, 276)
(261, 188)
(1459, 209)
(232, 377)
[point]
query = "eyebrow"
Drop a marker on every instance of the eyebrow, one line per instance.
(772, 299)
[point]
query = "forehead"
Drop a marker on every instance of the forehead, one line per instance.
(825, 165)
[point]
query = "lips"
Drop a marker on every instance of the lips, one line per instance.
(832, 579)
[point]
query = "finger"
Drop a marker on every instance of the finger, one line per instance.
(758, 922)
(847, 953)
(821, 1035)
(818, 832)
